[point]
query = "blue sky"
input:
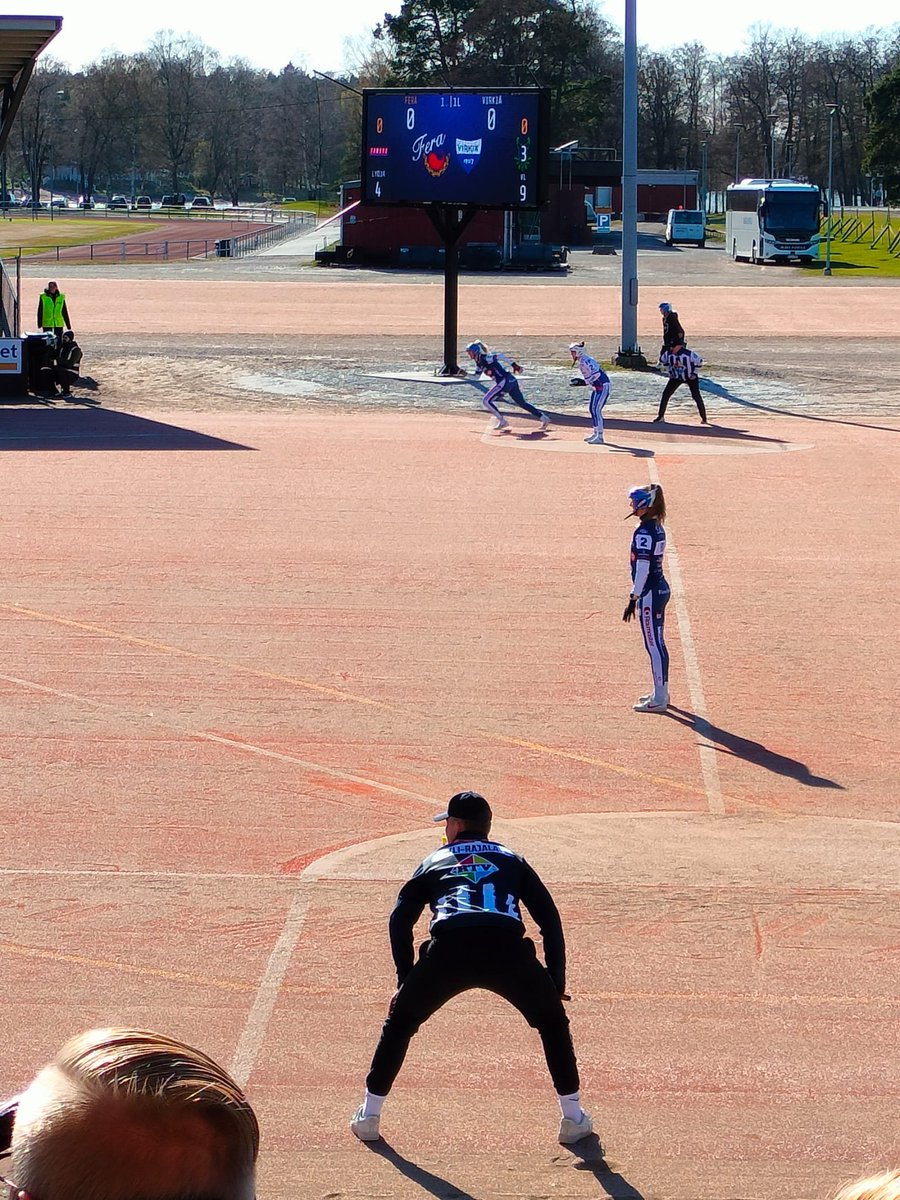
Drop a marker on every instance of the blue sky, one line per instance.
(320, 37)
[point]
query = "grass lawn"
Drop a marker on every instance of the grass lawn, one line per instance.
(37, 236)
(322, 208)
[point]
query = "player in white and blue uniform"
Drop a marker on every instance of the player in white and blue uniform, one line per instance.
(649, 589)
(598, 381)
(505, 384)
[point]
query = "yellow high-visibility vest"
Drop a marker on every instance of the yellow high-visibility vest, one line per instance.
(52, 310)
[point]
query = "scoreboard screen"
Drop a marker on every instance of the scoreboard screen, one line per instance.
(456, 146)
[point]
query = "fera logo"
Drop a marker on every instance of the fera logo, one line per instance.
(430, 151)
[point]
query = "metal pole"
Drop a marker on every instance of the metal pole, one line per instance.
(684, 177)
(704, 173)
(832, 109)
(629, 351)
(737, 154)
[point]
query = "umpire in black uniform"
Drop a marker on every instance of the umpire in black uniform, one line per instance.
(475, 888)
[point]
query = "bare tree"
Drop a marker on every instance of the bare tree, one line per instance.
(178, 75)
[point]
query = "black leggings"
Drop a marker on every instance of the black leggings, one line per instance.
(475, 958)
(673, 385)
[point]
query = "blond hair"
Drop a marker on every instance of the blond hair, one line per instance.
(129, 1114)
(875, 1187)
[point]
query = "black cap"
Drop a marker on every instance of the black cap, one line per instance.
(467, 806)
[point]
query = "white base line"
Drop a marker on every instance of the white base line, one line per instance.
(709, 767)
(257, 1025)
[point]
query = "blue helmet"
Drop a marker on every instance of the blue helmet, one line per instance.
(641, 497)
(665, 307)
(474, 347)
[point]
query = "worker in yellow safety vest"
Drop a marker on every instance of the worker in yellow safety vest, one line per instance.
(52, 314)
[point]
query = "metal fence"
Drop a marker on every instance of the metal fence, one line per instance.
(9, 300)
(133, 250)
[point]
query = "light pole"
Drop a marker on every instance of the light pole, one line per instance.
(704, 173)
(629, 351)
(737, 126)
(832, 109)
(773, 117)
(788, 159)
(684, 153)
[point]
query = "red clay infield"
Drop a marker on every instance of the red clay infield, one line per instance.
(240, 676)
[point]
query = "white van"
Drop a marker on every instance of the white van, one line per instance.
(685, 225)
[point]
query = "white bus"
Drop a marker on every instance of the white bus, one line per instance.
(772, 220)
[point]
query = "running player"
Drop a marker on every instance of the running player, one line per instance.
(505, 383)
(597, 378)
(649, 589)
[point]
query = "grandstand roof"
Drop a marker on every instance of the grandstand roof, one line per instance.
(21, 40)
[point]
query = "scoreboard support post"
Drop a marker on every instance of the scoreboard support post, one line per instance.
(450, 223)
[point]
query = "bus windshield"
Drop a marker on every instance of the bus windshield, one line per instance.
(785, 213)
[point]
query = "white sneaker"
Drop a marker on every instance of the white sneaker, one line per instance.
(573, 1131)
(596, 439)
(545, 423)
(651, 705)
(365, 1128)
(500, 424)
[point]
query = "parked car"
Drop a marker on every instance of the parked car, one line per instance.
(201, 202)
(685, 225)
(288, 199)
(142, 202)
(118, 202)
(8, 201)
(86, 202)
(173, 200)
(59, 202)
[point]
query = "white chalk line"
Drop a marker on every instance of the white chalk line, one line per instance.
(256, 1027)
(709, 767)
(233, 743)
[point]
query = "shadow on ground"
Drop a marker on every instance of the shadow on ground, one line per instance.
(717, 389)
(750, 751)
(73, 427)
(588, 1156)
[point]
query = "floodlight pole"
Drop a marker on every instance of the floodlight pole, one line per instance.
(832, 109)
(450, 224)
(629, 351)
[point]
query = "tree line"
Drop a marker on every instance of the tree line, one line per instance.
(176, 116)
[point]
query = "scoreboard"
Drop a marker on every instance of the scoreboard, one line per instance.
(456, 146)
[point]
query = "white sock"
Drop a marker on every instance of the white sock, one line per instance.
(570, 1106)
(372, 1104)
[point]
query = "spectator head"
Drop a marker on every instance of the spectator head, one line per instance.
(68, 336)
(665, 308)
(885, 1186)
(126, 1114)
